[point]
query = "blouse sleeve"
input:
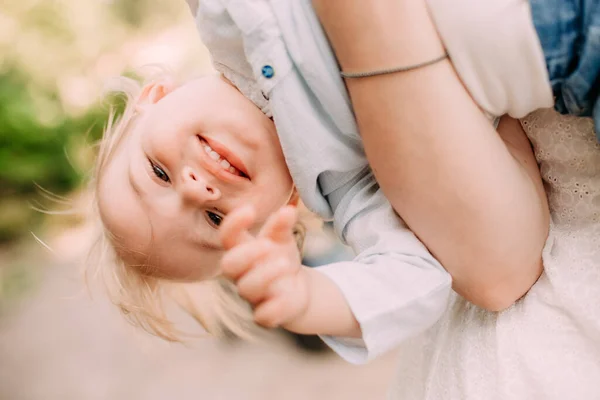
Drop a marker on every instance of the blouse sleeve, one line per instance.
(395, 288)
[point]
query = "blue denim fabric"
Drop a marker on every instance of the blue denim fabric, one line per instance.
(569, 31)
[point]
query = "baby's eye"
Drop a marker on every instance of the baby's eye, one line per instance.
(159, 172)
(214, 219)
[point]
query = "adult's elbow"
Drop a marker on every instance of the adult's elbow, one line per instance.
(499, 299)
(501, 292)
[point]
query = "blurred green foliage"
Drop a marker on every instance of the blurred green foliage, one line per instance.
(49, 50)
(133, 12)
(37, 138)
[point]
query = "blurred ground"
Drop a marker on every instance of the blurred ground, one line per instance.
(58, 344)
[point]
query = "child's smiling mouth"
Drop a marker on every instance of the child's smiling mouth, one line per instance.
(222, 157)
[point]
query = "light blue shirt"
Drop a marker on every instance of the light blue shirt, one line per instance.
(278, 56)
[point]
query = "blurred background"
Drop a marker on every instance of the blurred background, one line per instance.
(57, 341)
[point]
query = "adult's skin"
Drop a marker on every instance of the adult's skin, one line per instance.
(471, 194)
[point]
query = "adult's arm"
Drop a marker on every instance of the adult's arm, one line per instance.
(475, 200)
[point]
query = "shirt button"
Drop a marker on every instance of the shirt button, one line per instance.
(267, 71)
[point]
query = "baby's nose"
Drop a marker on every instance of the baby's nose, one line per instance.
(196, 188)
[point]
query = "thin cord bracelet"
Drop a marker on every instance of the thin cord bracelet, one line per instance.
(367, 74)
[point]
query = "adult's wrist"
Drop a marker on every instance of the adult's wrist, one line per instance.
(379, 34)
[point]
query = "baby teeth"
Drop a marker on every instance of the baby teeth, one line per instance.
(217, 157)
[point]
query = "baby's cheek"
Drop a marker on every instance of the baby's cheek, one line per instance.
(167, 151)
(163, 144)
(275, 197)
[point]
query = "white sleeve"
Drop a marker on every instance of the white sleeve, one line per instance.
(395, 287)
(495, 50)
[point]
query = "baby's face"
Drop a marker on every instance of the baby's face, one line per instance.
(194, 155)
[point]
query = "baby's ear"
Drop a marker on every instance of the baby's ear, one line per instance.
(154, 91)
(294, 198)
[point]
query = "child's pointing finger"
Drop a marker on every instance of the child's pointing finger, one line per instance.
(237, 261)
(235, 227)
(280, 225)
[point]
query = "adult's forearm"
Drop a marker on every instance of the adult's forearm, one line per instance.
(439, 161)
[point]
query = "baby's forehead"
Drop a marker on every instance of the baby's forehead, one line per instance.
(153, 244)
(168, 255)
(119, 208)
(141, 244)
(128, 229)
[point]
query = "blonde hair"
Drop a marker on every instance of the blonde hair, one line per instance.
(140, 296)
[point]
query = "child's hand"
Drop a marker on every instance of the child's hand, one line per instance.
(266, 268)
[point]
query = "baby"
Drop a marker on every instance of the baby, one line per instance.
(192, 185)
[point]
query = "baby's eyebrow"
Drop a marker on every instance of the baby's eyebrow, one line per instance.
(132, 182)
(208, 246)
(140, 193)
(205, 244)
